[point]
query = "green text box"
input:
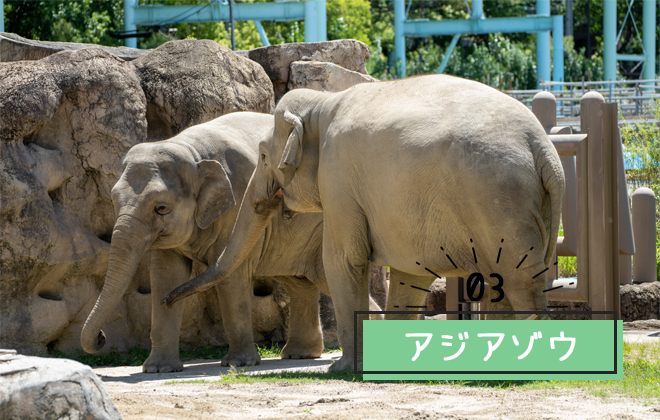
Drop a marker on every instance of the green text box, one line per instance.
(597, 353)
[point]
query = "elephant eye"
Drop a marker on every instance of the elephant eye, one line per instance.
(162, 210)
(263, 158)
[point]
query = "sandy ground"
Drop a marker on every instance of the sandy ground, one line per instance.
(148, 396)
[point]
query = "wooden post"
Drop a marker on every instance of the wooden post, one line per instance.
(452, 297)
(626, 240)
(591, 120)
(582, 229)
(611, 206)
(643, 218)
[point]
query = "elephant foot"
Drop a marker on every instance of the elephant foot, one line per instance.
(162, 364)
(345, 364)
(246, 357)
(293, 350)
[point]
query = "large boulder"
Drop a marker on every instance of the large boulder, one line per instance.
(325, 77)
(190, 82)
(37, 388)
(638, 302)
(276, 59)
(66, 121)
(17, 48)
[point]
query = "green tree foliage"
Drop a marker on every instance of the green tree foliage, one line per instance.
(509, 57)
(577, 66)
(87, 21)
(499, 61)
(349, 19)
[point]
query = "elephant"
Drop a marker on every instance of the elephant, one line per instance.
(432, 175)
(178, 198)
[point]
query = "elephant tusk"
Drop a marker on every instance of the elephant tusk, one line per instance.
(531, 317)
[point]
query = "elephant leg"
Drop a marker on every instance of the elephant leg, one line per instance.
(502, 305)
(528, 295)
(346, 251)
(402, 296)
(305, 339)
(234, 294)
(168, 271)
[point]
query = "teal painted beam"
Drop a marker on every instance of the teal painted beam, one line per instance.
(450, 49)
(322, 20)
(648, 35)
(216, 12)
(262, 33)
(630, 57)
(475, 26)
(400, 36)
(557, 50)
(543, 45)
(2, 16)
(609, 40)
(311, 21)
(129, 22)
(477, 9)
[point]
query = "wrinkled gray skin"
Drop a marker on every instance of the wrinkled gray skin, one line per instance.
(178, 199)
(408, 173)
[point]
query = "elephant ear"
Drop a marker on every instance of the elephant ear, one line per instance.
(215, 194)
(292, 153)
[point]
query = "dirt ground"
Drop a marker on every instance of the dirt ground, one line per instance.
(148, 396)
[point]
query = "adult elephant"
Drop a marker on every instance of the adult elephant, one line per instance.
(427, 173)
(178, 199)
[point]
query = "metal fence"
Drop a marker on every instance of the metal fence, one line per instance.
(633, 97)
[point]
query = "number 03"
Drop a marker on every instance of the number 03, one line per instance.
(477, 279)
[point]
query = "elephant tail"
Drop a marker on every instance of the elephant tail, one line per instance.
(552, 176)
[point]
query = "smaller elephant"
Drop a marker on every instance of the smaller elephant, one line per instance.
(178, 198)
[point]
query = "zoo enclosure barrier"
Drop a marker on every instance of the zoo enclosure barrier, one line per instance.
(633, 97)
(595, 210)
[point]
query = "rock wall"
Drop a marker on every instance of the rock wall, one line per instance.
(68, 114)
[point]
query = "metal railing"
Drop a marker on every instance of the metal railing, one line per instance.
(632, 97)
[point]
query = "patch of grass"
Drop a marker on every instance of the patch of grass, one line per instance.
(275, 350)
(567, 265)
(237, 376)
(641, 378)
(206, 352)
(135, 356)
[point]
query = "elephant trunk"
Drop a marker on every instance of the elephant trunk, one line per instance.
(253, 218)
(130, 239)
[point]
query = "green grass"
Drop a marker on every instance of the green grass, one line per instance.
(641, 378)
(567, 265)
(135, 356)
